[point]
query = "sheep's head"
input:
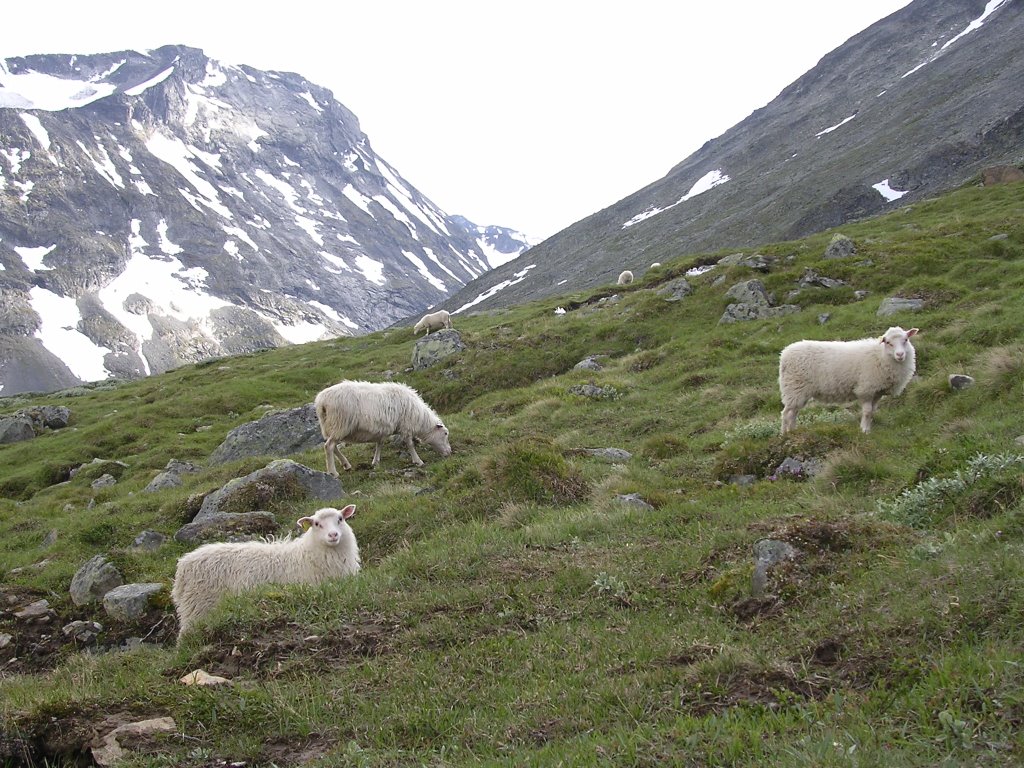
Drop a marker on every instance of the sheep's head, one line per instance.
(897, 342)
(328, 525)
(437, 438)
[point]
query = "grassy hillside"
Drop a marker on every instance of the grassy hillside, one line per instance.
(512, 609)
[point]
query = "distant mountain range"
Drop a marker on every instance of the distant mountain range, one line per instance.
(162, 208)
(915, 105)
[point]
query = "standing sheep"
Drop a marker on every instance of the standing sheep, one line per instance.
(327, 549)
(625, 278)
(433, 322)
(364, 412)
(841, 371)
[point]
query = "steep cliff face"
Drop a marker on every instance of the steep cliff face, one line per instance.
(914, 105)
(162, 208)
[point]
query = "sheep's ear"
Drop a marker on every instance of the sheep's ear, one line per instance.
(348, 511)
(304, 523)
(439, 426)
(913, 332)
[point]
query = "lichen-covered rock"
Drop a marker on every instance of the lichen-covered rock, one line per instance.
(840, 247)
(130, 602)
(894, 304)
(279, 433)
(434, 348)
(280, 480)
(227, 526)
(93, 580)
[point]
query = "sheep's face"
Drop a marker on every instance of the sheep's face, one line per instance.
(329, 525)
(897, 342)
(437, 439)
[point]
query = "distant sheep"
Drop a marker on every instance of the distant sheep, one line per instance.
(327, 549)
(625, 278)
(434, 321)
(655, 264)
(842, 371)
(364, 412)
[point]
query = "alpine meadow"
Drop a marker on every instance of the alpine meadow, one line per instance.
(710, 593)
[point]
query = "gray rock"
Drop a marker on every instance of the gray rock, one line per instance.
(633, 500)
(93, 580)
(594, 392)
(227, 526)
(754, 261)
(767, 554)
(149, 541)
(840, 247)
(1019, 440)
(675, 290)
(589, 363)
(49, 416)
(959, 381)
(811, 279)
(82, 632)
(861, 295)
(51, 538)
(894, 304)
(120, 465)
(824, 317)
(735, 313)
(277, 434)
(16, 428)
(103, 481)
(5, 639)
(255, 490)
(434, 348)
(35, 610)
(609, 454)
(750, 292)
(171, 476)
(742, 481)
(797, 468)
(130, 602)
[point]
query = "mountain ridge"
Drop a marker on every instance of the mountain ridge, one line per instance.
(165, 208)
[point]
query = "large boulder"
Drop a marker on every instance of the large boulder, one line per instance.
(279, 433)
(93, 580)
(171, 476)
(14, 429)
(752, 302)
(280, 480)
(227, 526)
(840, 247)
(432, 349)
(130, 602)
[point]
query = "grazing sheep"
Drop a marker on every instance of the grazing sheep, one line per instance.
(364, 412)
(625, 278)
(433, 322)
(841, 371)
(327, 549)
(655, 264)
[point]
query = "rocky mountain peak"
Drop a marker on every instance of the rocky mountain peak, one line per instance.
(159, 208)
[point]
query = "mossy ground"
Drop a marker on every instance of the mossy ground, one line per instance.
(512, 611)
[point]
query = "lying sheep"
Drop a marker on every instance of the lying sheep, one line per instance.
(327, 549)
(625, 278)
(433, 322)
(841, 371)
(364, 412)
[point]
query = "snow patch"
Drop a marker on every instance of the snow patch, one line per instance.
(33, 257)
(59, 333)
(888, 192)
(372, 269)
(155, 80)
(518, 277)
(834, 127)
(708, 181)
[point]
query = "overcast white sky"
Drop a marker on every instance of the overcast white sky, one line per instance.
(531, 115)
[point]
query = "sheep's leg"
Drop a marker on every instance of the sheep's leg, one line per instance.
(410, 446)
(332, 448)
(376, 454)
(329, 453)
(867, 411)
(789, 417)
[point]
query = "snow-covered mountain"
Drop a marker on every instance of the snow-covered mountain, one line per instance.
(918, 103)
(161, 208)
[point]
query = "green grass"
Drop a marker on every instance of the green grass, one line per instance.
(512, 610)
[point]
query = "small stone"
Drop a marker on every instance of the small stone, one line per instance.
(824, 317)
(589, 363)
(130, 601)
(894, 304)
(742, 481)
(34, 610)
(149, 541)
(202, 677)
(609, 454)
(959, 381)
(5, 639)
(634, 500)
(103, 481)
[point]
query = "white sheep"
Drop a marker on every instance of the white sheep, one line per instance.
(841, 371)
(655, 264)
(327, 549)
(365, 412)
(625, 278)
(434, 321)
